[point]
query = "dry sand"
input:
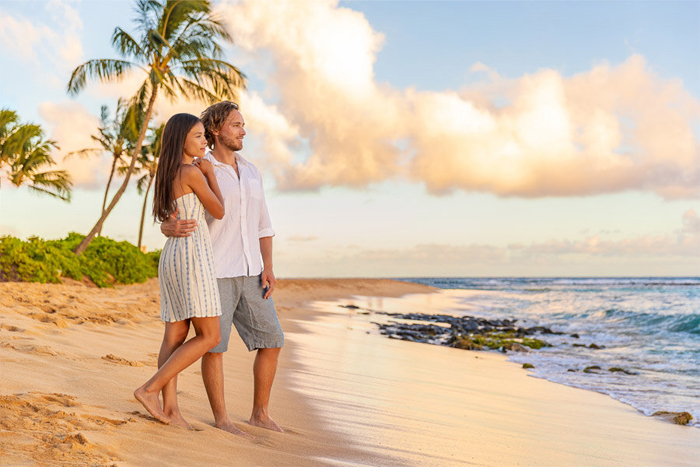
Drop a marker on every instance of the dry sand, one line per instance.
(71, 355)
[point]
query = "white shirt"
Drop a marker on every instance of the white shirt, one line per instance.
(236, 237)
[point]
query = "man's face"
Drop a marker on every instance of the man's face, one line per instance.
(231, 133)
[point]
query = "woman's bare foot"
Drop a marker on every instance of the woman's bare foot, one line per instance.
(231, 428)
(265, 422)
(177, 420)
(151, 403)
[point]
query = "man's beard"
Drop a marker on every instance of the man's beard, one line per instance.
(230, 143)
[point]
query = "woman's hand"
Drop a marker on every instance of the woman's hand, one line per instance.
(205, 166)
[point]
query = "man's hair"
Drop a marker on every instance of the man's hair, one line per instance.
(214, 117)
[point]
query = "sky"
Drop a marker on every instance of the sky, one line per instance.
(412, 139)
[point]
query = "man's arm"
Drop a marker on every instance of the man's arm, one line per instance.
(268, 277)
(178, 228)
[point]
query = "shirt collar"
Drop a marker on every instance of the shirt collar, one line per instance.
(208, 156)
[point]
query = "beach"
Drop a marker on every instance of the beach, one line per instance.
(71, 355)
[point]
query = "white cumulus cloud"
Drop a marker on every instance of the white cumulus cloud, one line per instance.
(70, 125)
(612, 129)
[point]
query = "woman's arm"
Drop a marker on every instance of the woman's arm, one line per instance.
(202, 181)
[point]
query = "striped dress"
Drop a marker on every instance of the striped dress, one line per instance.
(186, 273)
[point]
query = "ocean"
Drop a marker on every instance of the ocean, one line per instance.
(649, 327)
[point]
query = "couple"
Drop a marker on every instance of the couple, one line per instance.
(210, 272)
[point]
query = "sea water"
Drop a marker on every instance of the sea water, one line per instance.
(649, 327)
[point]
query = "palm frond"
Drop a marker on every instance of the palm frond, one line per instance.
(223, 78)
(176, 13)
(192, 89)
(147, 14)
(8, 119)
(84, 153)
(55, 183)
(102, 69)
(127, 45)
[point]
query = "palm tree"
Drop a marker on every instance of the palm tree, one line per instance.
(148, 163)
(25, 153)
(117, 137)
(179, 52)
(9, 120)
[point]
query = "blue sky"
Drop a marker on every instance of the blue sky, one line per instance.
(336, 217)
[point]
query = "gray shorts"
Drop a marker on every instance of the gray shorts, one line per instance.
(256, 321)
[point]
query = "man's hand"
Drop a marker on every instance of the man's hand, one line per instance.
(178, 228)
(268, 282)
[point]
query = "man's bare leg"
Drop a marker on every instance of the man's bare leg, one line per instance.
(213, 376)
(264, 370)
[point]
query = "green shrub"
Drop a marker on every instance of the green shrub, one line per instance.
(105, 261)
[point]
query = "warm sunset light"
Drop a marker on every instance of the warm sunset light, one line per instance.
(359, 233)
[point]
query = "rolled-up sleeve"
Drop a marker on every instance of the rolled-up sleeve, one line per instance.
(264, 224)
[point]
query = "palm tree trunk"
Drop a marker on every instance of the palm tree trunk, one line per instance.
(137, 150)
(109, 182)
(143, 210)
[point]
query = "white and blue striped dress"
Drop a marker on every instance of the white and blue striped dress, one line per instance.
(186, 272)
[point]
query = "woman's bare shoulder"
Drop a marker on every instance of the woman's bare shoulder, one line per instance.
(190, 173)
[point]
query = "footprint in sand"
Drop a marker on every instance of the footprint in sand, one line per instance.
(61, 399)
(37, 434)
(33, 349)
(120, 361)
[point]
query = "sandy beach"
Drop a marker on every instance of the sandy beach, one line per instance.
(71, 355)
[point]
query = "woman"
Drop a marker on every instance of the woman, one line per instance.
(188, 289)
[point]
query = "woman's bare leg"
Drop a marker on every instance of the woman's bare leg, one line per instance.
(175, 335)
(208, 336)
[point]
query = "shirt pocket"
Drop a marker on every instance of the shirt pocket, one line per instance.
(255, 188)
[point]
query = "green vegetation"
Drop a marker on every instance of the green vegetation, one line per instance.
(106, 262)
(25, 157)
(497, 340)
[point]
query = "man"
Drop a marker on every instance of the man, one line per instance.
(240, 240)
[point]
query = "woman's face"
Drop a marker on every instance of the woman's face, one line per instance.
(195, 143)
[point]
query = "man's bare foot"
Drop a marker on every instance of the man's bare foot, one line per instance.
(152, 404)
(265, 422)
(177, 420)
(231, 428)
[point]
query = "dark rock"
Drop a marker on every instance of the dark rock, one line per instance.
(579, 345)
(466, 343)
(621, 370)
(680, 418)
(528, 365)
(352, 307)
(575, 336)
(591, 369)
(596, 346)
(515, 347)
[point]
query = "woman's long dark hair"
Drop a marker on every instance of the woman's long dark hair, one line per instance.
(169, 161)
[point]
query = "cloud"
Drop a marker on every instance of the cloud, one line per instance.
(70, 125)
(57, 42)
(679, 248)
(691, 223)
(612, 129)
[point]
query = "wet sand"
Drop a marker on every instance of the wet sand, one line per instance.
(71, 355)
